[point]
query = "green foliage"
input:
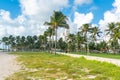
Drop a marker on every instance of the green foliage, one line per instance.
(114, 32)
(58, 19)
(102, 46)
(86, 39)
(62, 44)
(47, 66)
(71, 42)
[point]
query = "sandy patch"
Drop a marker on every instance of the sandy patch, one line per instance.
(8, 65)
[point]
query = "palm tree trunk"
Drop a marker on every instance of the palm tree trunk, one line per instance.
(87, 46)
(52, 42)
(86, 42)
(3, 47)
(44, 45)
(77, 50)
(55, 39)
(88, 51)
(80, 47)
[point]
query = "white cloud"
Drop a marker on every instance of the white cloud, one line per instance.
(29, 7)
(15, 30)
(5, 15)
(30, 22)
(116, 4)
(72, 27)
(81, 18)
(18, 26)
(40, 10)
(35, 7)
(81, 2)
(111, 15)
(21, 19)
(2, 30)
(93, 8)
(10, 26)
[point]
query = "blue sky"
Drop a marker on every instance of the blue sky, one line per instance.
(26, 17)
(13, 6)
(98, 7)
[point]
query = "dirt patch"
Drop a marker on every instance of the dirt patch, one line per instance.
(8, 65)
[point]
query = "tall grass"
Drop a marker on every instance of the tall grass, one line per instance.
(45, 66)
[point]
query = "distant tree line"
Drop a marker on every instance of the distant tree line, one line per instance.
(85, 40)
(22, 43)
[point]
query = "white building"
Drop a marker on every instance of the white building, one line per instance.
(65, 34)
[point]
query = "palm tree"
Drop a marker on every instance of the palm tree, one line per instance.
(5, 41)
(18, 42)
(102, 46)
(50, 32)
(111, 28)
(85, 30)
(118, 30)
(79, 40)
(12, 41)
(42, 41)
(62, 45)
(30, 42)
(35, 38)
(45, 39)
(22, 43)
(95, 32)
(114, 32)
(118, 33)
(116, 36)
(71, 42)
(57, 20)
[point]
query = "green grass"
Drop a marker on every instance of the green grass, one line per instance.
(105, 55)
(45, 66)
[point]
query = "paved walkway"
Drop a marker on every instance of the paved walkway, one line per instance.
(8, 65)
(109, 60)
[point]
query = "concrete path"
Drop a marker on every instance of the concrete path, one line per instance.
(109, 60)
(8, 65)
